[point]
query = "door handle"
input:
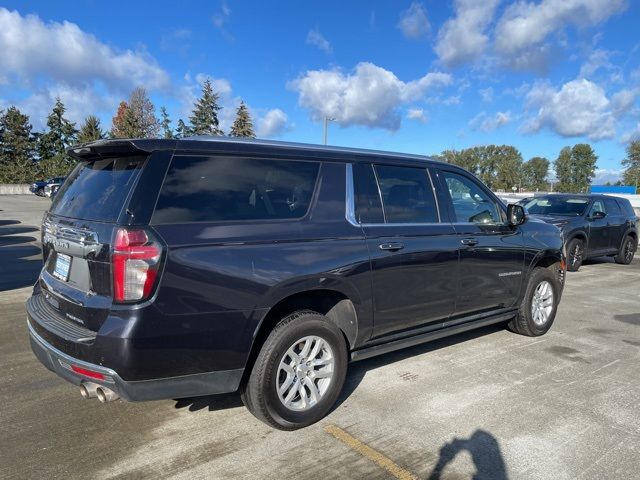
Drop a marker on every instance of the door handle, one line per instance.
(391, 246)
(470, 242)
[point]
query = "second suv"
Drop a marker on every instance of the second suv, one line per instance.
(199, 266)
(592, 225)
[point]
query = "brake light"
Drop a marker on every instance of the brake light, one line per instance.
(87, 373)
(135, 264)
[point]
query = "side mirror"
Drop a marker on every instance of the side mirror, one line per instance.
(598, 215)
(515, 215)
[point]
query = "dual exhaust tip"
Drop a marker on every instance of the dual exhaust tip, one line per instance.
(90, 390)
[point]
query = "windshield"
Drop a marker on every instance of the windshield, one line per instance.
(563, 206)
(97, 190)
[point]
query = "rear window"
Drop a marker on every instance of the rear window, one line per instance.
(210, 189)
(97, 190)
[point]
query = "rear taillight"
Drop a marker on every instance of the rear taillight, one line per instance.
(135, 263)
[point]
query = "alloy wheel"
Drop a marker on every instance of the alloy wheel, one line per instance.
(542, 303)
(305, 373)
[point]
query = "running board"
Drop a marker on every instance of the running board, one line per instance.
(382, 348)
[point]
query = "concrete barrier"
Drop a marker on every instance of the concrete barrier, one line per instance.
(14, 189)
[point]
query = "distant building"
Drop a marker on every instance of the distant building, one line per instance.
(620, 189)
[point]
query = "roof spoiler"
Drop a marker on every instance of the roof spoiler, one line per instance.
(118, 147)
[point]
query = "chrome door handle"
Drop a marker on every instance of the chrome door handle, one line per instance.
(391, 246)
(470, 242)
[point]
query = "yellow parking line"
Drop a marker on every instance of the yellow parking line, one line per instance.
(366, 451)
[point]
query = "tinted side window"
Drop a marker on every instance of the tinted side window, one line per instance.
(210, 189)
(407, 195)
(612, 207)
(367, 198)
(471, 203)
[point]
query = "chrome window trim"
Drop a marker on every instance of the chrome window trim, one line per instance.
(350, 208)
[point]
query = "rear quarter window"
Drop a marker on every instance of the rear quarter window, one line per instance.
(96, 190)
(217, 189)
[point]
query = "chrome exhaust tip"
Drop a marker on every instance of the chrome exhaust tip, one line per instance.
(106, 395)
(88, 390)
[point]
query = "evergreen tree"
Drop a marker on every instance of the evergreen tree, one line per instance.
(118, 122)
(242, 125)
(204, 119)
(60, 136)
(535, 172)
(182, 130)
(16, 148)
(90, 130)
(165, 123)
(632, 165)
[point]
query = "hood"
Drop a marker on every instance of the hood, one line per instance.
(555, 220)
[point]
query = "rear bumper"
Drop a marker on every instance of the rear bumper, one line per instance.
(199, 384)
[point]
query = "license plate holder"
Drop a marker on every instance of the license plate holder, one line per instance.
(62, 267)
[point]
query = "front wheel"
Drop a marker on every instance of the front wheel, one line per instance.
(299, 372)
(627, 251)
(575, 253)
(538, 308)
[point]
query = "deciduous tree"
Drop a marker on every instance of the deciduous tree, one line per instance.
(534, 172)
(632, 165)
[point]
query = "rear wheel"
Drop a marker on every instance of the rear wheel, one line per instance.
(627, 251)
(538, 308)
(575, 252)
(299, 372)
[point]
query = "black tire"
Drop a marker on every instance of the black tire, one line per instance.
(575, 254)
(40, 192)
(524, 322)
(259, 392)
(627, 251)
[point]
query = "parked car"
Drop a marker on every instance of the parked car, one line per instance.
(592, 225)
(51, 188)
(178, 268)
(38, 187)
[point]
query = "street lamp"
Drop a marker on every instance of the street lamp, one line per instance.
(326, 123)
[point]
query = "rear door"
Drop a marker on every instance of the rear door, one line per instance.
(76, 237)
(413, 254)
(491, 252)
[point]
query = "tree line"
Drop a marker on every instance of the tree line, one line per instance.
(26, 155)
(502, 167)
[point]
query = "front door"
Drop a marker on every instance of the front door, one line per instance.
(491, 267)
(598, 228)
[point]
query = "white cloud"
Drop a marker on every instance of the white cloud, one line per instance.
(631, 135)
(523, 28)
(598, 59)
(369, 96)
(463, 38)
(487, 123)
(604, 175)
(486, 94)
(622, 101)
(414, 22)
(272, 124)
(62, 52)
(315, 38)
(417, 114)
(579, 108)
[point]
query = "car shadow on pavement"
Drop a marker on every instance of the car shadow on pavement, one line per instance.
(485, 453)
(631, 318)
(18, 267)
(210, 402)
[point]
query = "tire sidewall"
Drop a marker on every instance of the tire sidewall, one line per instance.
(628, 240)
(540, 275)
(305, 325)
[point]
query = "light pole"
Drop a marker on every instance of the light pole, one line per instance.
(326, 125)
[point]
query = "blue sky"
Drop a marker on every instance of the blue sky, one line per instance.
(414, 77)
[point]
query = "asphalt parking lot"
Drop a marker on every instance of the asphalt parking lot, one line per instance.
(487, 403)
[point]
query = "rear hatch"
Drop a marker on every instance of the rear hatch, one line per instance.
(77, 233)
